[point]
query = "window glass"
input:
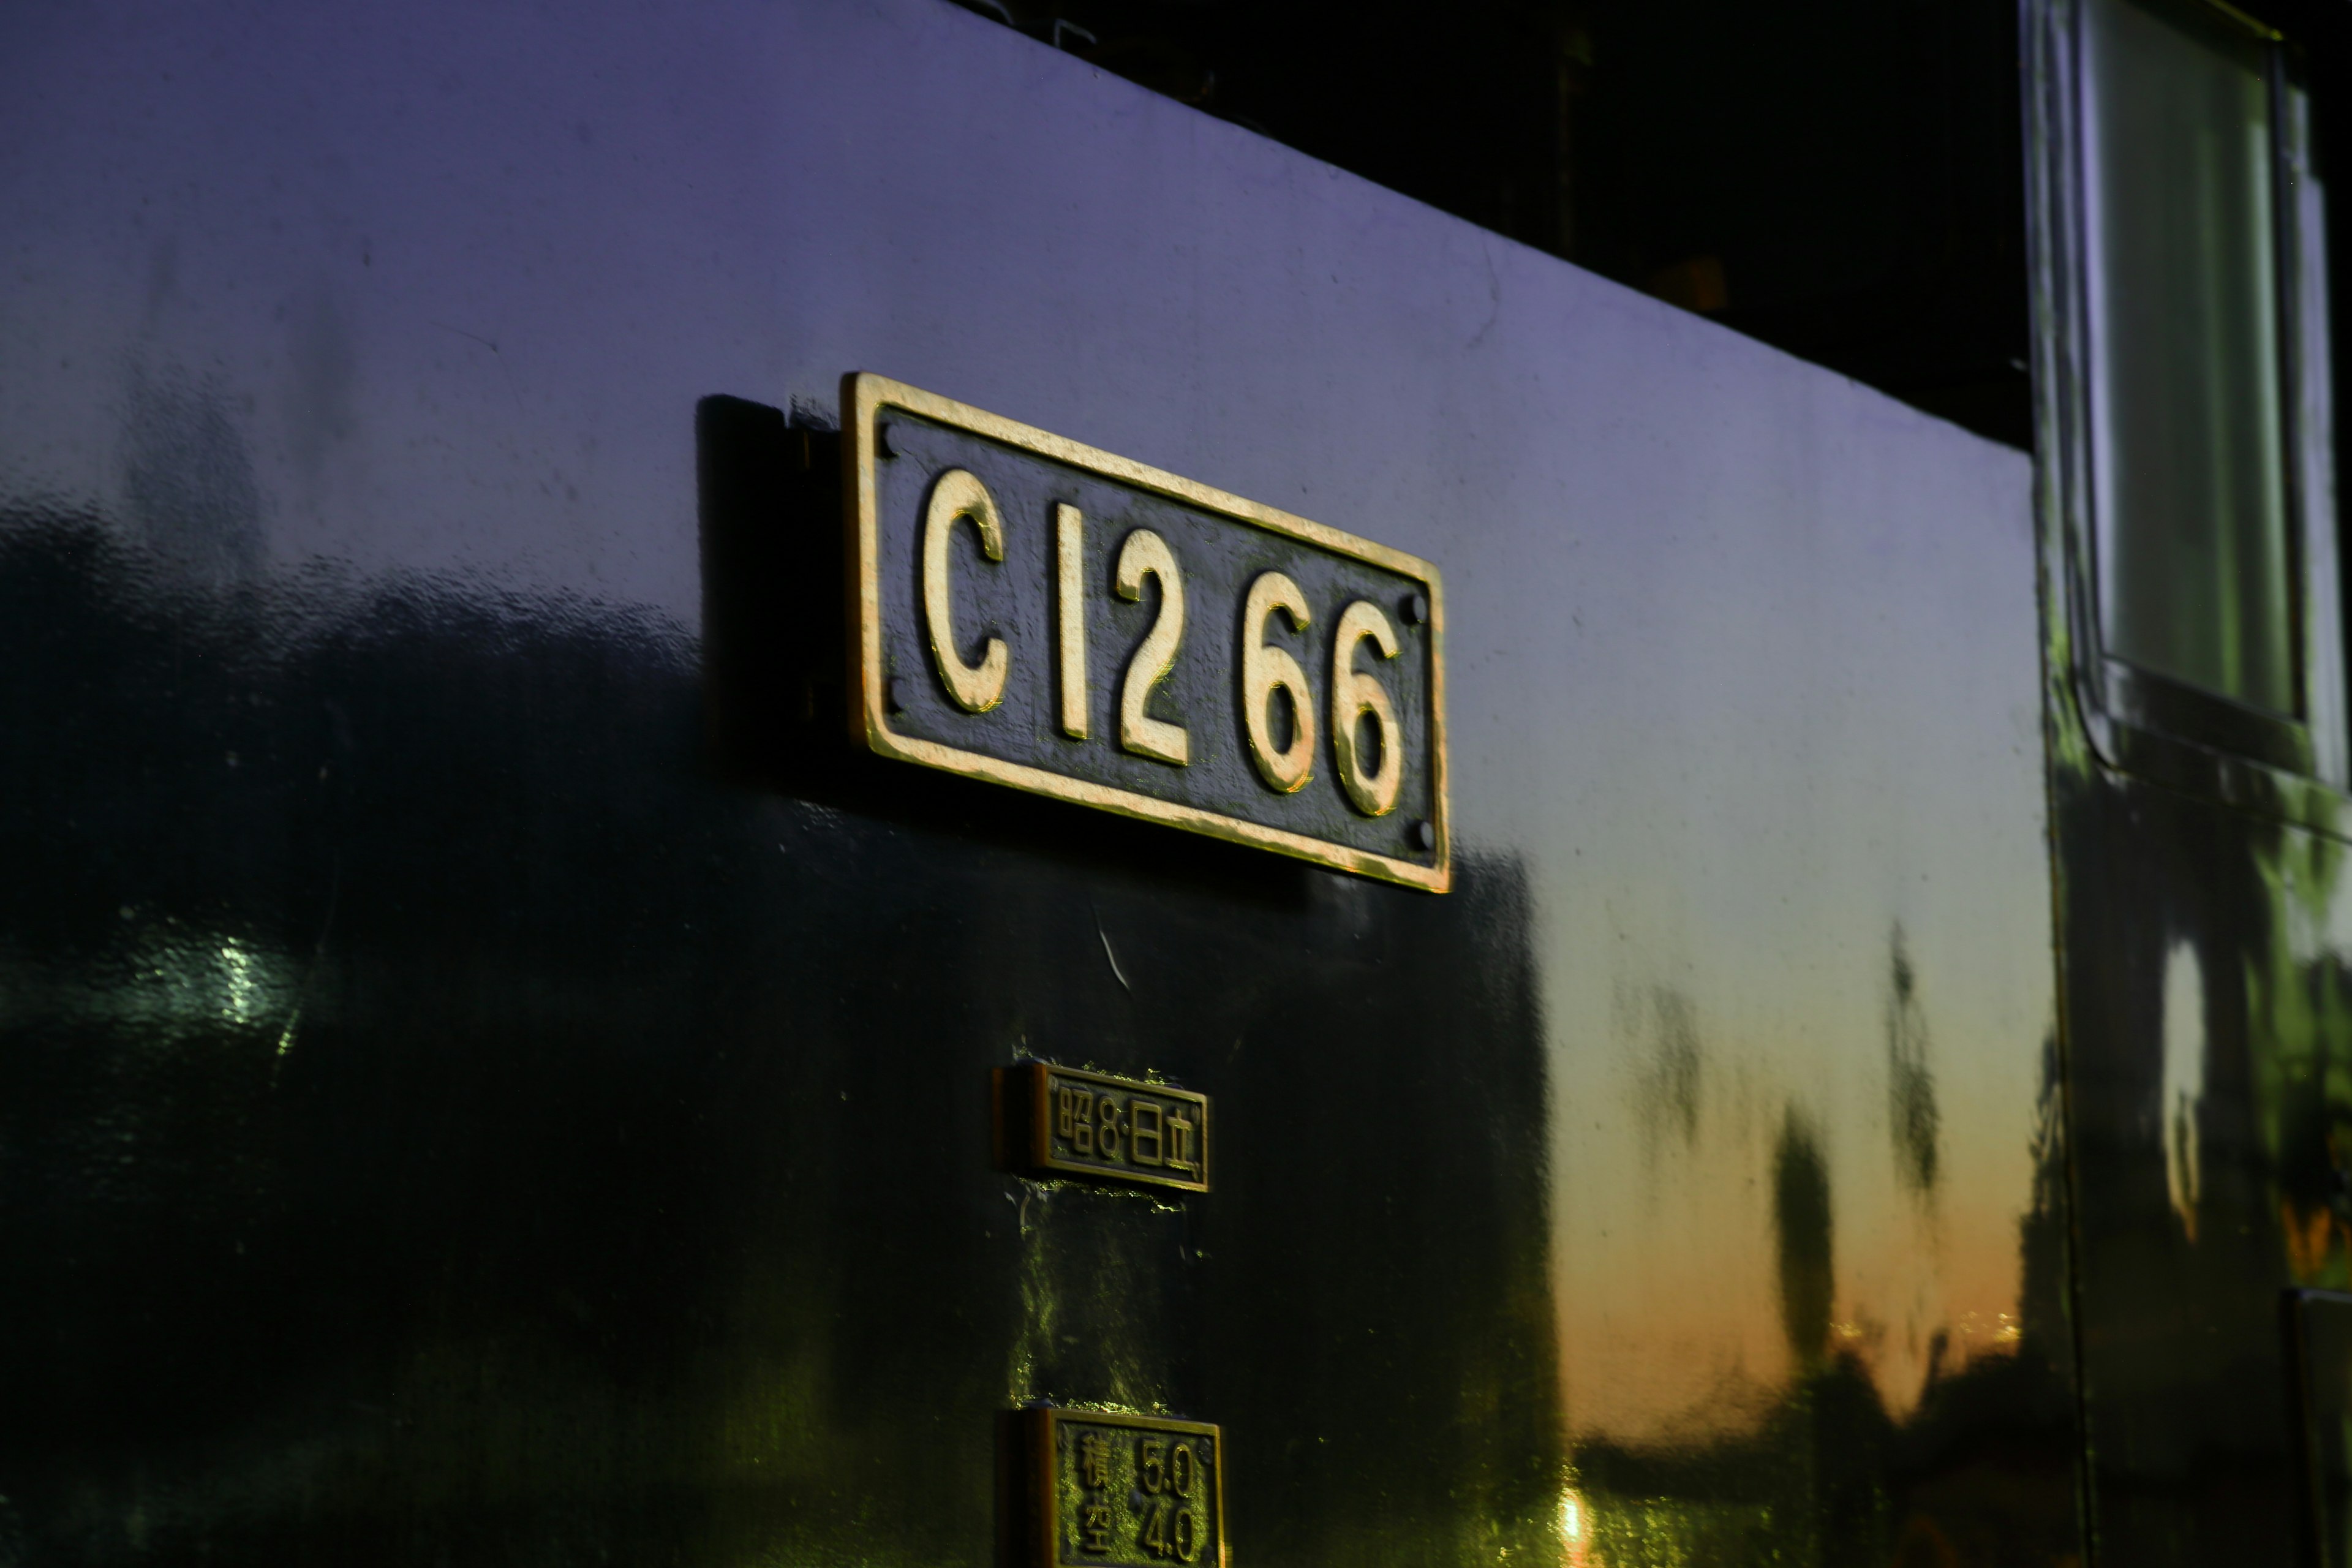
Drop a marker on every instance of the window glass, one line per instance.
(2188, 445)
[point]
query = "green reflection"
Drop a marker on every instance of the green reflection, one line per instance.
(2186, 406)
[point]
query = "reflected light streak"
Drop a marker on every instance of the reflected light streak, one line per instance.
(1575, 1549)
(169, 977)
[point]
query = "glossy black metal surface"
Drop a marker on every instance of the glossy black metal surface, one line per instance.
(2199, 1077)
(2199, 847)
(489, 1076)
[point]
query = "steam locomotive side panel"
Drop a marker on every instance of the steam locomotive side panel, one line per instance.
(2197, 748)
(494, 1073)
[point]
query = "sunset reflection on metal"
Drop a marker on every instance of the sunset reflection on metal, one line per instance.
(539, 1094)
(1806, 1189)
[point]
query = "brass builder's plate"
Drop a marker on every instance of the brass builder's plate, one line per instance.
(1055, 1121)
(1034, 612)
(1123, 1491)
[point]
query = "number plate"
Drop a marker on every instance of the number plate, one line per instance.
(1038, 613)
(1123, 1491)
(1062, 1121)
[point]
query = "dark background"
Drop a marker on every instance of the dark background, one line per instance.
(1844, 179)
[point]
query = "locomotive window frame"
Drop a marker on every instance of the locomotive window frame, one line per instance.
(2137, 719)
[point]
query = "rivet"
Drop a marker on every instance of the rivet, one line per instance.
(883, 443)
(1423, 835)
(1415, 608)
(894, 695)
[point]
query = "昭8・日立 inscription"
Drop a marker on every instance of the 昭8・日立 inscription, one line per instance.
(1111, 1490)
(1064, 1121)
(1034, 612)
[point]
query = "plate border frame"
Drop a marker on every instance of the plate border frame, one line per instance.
(1039, 1110)
(863, 397)
(1041, 1420)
